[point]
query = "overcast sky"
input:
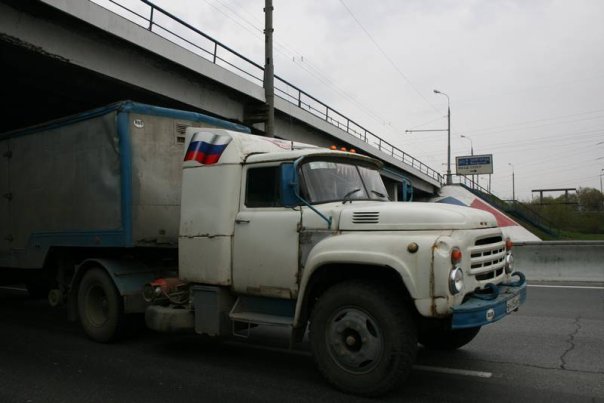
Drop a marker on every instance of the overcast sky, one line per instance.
(525, 77)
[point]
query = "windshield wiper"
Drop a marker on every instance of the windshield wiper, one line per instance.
(383, 196)
(347, 195)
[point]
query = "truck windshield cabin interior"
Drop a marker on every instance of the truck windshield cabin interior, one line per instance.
(328, 181)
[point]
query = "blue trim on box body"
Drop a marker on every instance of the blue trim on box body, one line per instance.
(473, 312)
(123, 133)
(129, 106)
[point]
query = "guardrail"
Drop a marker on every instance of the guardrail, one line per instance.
(159, 21)
(560, 260)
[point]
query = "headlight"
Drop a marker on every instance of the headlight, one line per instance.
(456, 280)
(456, 274)
(509, 263)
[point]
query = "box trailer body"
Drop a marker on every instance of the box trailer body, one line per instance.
(108, 178)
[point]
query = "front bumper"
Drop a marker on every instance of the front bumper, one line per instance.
(482, 309)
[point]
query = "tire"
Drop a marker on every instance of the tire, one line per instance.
(363, 338)
(445, 338)
(100, 307)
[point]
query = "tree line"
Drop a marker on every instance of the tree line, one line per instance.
(582, 212)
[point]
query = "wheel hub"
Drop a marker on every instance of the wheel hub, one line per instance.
(355, 341)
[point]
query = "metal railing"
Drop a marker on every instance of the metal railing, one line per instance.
(160, 22)
(513, 207)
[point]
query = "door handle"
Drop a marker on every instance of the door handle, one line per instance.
(241, 221)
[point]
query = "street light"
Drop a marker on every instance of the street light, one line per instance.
(471, 153)
(471, 144)
(601, 174)
(513, 183)
(449, 178)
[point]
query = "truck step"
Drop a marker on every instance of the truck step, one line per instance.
(261, 311)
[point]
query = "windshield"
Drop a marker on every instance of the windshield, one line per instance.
(326, 181)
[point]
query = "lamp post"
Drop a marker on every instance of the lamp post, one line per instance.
(471, 143)
(601, 174)
(513, 183)
(471, 152)
(449, 178)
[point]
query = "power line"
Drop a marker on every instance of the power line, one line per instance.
(379, 48)
(298, 59)
(511, 125)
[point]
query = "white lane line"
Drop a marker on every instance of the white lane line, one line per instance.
(454, 371)
(582, 287)
(13, 288)
(442, 370)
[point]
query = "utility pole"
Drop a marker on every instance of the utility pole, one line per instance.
(269, 69)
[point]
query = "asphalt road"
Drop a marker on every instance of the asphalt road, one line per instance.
(552, 350)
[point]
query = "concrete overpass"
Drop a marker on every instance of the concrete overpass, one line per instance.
(61, 57)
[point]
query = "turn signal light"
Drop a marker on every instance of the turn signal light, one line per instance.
(508, 244)
(455, 255)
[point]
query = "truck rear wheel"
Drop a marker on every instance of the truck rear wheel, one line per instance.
(363, 338)
(100, 306)
(447, 338)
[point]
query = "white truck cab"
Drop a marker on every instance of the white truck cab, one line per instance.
(282, 233)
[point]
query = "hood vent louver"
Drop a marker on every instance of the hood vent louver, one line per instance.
(365, 217)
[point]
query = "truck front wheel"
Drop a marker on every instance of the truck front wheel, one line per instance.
(100, 306)
(363, 338)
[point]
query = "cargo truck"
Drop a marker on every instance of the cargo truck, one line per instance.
(206, 228)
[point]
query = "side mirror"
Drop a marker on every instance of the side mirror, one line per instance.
(288, 185)
(406, 193)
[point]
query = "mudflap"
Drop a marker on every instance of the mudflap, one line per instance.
(496, 302)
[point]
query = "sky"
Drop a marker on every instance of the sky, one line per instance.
(525, 78)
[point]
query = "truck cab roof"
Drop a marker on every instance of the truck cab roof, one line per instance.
(219, 146)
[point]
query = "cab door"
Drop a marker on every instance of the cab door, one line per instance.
(265, 245)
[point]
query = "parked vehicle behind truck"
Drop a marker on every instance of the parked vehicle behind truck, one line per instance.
(213, 230)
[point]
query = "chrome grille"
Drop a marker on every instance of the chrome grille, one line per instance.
(365, 217)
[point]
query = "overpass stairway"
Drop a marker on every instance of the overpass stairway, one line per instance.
(525, 216)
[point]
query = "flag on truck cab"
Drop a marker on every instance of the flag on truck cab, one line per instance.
(206, 148)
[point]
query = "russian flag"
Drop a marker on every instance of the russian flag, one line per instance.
(206, 148)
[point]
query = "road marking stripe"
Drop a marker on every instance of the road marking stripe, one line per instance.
(13, 288)
(583, 287)
(454, 371)
(442, 370)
